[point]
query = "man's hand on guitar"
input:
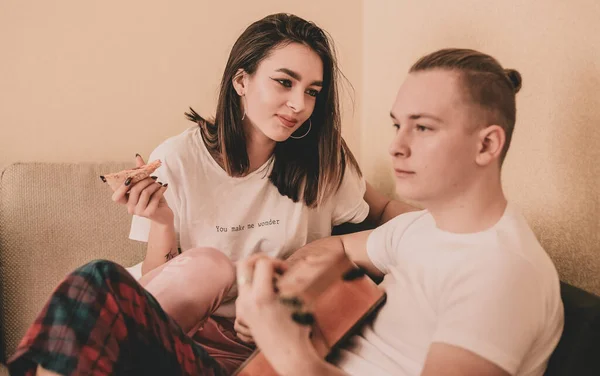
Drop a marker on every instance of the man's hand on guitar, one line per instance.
(241, 329)
(283, 342)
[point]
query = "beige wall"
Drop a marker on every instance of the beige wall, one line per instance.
(103, 80)
(97, 81)
(553, 168)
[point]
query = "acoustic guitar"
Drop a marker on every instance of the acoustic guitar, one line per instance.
(329, 293)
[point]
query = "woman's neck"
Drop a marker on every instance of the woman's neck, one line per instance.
(259, 148)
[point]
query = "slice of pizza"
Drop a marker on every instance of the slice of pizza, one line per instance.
(137, 174)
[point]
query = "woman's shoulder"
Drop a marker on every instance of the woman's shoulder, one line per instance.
(178, 146)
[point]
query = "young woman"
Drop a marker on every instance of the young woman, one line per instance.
(268, 174)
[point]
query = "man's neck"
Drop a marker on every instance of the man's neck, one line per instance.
(475, 209)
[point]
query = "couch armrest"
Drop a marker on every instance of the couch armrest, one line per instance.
(578, 352)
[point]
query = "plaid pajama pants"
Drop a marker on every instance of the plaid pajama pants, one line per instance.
(100, 321)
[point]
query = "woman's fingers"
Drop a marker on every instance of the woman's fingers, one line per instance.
(155, 200)
(145, 198)
(139, 161)
(135, 193)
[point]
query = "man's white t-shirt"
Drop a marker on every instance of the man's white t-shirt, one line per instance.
(241, 215)
(495, 293)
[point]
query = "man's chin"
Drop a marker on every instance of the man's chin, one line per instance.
(411, 196)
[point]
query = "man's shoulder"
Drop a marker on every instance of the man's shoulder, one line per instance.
(406, 219)
(394, 229)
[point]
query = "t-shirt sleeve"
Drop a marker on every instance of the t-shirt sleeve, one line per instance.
(383, 243)
(493, 309)
(140, 226)
(350, 204)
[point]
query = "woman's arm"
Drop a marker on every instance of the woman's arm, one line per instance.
(146, 199)
(382, 208)
(162, 245)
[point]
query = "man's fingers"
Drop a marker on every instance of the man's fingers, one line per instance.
(262, 283)
(242, 331)
(244, 272)
(241, 327)
(139, 161)
(245, 338)
(279, 265)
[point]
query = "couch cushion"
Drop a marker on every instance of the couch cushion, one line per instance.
(53, 218)
(578, 352)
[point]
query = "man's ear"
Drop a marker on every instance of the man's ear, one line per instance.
(240, 81)
(491, 141)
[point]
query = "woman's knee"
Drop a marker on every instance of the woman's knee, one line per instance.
(108, 270)
(206, 262)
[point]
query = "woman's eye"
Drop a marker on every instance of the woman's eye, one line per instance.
(397, 126)
(422, 128)
(284, 82)
(312, 92)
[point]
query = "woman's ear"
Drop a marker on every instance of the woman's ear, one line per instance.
(490, 144)
(240, 81)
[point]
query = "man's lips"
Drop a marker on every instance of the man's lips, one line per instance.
(402, 173)
(288, 121)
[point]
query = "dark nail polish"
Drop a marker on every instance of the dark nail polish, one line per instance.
(128, 181)
(159, 182)
(303, 318)
(154, 177)
(137, 155)
(293, 302)
(165, 185)
(103, 178)
(353, 274)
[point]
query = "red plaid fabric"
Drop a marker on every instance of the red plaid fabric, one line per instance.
(100, 321)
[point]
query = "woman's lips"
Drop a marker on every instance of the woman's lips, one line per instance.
(287, 121)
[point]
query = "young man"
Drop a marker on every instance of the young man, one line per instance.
(470, 291)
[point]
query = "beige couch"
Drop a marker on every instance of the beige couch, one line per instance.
(56, 217)
(53, 218)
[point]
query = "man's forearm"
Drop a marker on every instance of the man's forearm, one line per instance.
(318, 247)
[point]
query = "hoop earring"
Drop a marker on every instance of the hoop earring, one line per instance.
(244, 106)
(307, 132)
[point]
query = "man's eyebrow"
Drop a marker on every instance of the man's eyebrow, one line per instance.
(419, 116)
(425, 115)
(297, 76)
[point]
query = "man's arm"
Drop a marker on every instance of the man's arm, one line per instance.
(353, 245)
(381, 208)
(444, 359)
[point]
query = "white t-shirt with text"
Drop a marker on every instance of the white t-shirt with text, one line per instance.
(241, 215)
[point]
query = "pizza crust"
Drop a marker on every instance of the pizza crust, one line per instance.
(116, 179)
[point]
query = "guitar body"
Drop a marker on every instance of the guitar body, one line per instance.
(338, 296)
